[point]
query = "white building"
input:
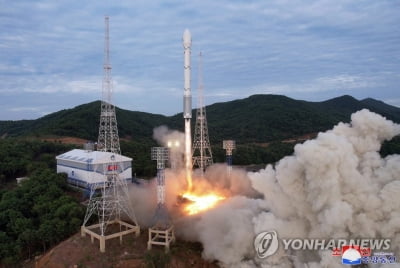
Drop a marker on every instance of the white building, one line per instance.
(85, 168)
(19, 180)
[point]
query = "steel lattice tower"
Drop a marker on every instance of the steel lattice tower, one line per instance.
(160, 154)
(110, 205)
(202, 155)
(108, 140)
(162, 231)
(109, 200)
(229, 146)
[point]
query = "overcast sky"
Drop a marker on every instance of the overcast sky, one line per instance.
(51, 52)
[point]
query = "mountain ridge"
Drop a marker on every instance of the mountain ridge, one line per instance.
(257, 118)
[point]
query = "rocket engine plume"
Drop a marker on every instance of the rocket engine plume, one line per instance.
(200, 203)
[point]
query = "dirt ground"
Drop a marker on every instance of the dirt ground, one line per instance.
(79, 252)
(66, 140)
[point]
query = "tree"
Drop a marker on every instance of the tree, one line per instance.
(36, 215)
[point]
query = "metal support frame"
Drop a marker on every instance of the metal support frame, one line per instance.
(109, 200)
(111, 204)
(229, 146)
(202, 155)
(108, 140)
(162, 231)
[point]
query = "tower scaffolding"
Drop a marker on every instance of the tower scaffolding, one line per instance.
(108, 140)
(109, 199)
(202, 155)
(162, 231)
(229, 146)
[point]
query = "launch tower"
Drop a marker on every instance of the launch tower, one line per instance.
(202, 155)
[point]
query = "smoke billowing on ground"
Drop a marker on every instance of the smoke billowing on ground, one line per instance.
(333, 187)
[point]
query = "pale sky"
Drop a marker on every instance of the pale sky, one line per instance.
(51, 52)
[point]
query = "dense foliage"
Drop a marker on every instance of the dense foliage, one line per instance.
(391, 147)
(256, 119)
(20, 157)
(142, 165)
(83, 122)
(250, 154)
(36, 215)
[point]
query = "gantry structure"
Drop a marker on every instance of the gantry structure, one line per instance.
(202, 154)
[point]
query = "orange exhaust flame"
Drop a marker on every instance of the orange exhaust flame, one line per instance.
(200, 203)
(189, 182)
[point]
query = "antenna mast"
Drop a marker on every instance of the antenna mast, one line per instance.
(202, 155)
(108, 140)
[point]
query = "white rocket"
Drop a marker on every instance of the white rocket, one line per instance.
(187, 101)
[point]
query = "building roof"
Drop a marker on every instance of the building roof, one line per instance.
(93, 157)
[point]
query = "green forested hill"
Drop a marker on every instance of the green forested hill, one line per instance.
(256, 119)
(83, 122)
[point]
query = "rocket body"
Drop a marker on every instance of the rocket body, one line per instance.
(187, 93)
(187, 106)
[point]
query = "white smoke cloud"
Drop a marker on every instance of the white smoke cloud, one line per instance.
(335, 186)
(174, 140)
(165, 136)
(144, 195)
(143, 198)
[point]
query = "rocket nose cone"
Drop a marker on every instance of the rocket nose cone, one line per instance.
(187, 38)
